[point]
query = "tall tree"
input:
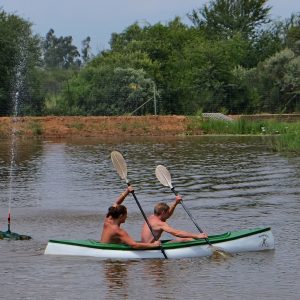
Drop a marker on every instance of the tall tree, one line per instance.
(86, 49)
(225, 18)
(59, 52)
(291, 31)
(19, 54)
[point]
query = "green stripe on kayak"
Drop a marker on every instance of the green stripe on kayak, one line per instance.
(214, 239)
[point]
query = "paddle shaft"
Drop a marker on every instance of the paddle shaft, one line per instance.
(146, 219)
(190, 215)
(121, 167)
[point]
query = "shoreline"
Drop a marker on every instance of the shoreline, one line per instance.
(95, 126)
(103, 126)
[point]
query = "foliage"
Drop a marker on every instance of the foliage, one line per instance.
(289, 142)
(207, 85)
(226, 18)
(233, 59)
(36, 128)
(285, 137)
(277, 82)
(243, 126)
(59, 52)
(19, 53)
(104, 91)
(86, 50)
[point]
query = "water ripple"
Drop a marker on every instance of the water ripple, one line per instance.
(62, 189)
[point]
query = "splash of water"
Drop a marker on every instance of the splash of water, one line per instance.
(18, 86)
(14, 121)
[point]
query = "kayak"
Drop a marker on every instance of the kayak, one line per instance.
(232, 242)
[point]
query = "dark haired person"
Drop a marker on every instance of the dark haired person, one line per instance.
(112, 231)
(162, 212)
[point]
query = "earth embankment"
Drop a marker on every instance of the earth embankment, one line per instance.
(69, 126)
(101, 126)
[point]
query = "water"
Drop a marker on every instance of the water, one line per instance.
(62, 190)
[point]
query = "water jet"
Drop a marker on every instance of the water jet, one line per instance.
(17, 87)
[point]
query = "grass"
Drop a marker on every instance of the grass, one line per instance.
(76, 125)
(134, 126)
(124, 127)
(36, 128)
(140, 125)
(2, 132)
(288, 142)
(286, 136)
(195, 123)
(244, 127)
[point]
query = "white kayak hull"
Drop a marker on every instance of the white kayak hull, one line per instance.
(232, 242)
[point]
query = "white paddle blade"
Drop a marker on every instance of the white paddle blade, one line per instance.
(119, 164)
(163, 175)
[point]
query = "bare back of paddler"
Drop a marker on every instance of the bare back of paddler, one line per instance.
(162, 212)
(113, 233)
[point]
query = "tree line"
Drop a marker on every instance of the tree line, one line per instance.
(232, 58)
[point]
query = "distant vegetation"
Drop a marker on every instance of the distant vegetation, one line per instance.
(231, 58)
(285, 137)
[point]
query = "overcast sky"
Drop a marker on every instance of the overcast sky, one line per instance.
(99, 18)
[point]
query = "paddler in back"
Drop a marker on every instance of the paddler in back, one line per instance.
(112, 231)
(162, 212)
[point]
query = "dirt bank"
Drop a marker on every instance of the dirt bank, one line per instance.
(61, 127)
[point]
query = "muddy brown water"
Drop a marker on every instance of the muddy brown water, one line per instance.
(62, 188)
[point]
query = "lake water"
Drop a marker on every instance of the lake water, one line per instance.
(61, 189)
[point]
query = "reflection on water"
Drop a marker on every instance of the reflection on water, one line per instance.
(63, 188)
(117, 281)
(25, 168)
(121, 279)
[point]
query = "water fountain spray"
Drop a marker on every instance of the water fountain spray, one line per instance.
(17, 88)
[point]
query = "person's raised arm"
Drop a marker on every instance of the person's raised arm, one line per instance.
(123, 195)
(173, 205)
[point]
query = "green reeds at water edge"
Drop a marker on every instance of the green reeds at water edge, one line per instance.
(285, 136)
(287, 142)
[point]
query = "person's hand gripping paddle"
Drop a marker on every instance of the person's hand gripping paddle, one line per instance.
(164, 177)
(121, 167)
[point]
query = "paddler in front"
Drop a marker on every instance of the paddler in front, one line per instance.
(162, 212)
(112, 231)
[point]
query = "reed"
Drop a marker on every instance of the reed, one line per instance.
(285, 136)
(288, 142)
(244, 127)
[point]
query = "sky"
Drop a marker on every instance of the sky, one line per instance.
(100, 18)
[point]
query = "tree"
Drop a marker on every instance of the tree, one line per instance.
(279, 82)
(292, 31)
(86, 50)
(163, 45)
(19, 54)
(111, 84)
(202, 77)
(225, 18)
(105, 91)
(274, 85)
(60, 52)
(120, 41)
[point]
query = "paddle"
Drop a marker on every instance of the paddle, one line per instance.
(164, 177)
(121, 167)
